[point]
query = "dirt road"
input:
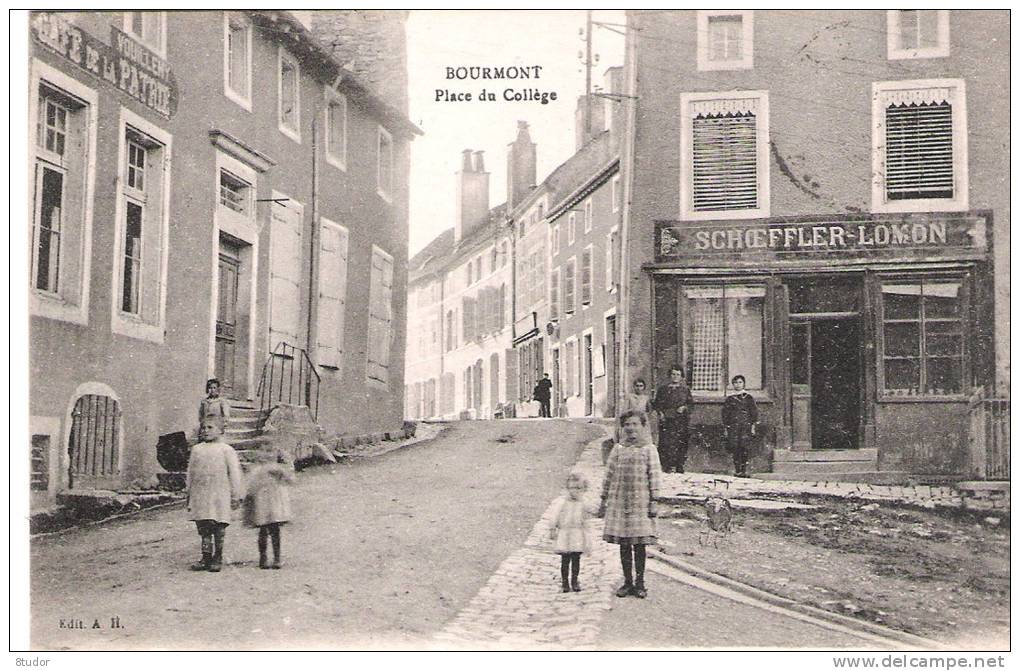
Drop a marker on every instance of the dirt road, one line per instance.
(382, 552)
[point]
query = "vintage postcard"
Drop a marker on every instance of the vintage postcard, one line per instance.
(569, 330)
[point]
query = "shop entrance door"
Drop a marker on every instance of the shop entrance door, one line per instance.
(826, 378)
(826, 368)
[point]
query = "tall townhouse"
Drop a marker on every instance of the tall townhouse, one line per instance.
(424, 357)
(207, 187)
(584, 267)
(818, 201)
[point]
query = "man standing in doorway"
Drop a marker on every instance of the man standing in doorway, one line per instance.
(673, 402)
(543, 394)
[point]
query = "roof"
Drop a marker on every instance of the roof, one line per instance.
(291, 31)
(438, 250)
(578, 170)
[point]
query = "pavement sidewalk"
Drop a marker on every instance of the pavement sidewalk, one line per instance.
(700, 485)
(522, 607)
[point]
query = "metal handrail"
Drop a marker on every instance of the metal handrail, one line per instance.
(277, 384)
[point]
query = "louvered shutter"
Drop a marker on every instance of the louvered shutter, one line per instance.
(725, 161)
(919, 151)
(554, 294)
(568, 288)
(586, 269)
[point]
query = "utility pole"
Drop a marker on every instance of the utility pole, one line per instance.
(587, 75)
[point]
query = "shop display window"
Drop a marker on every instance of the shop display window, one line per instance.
(724, 336)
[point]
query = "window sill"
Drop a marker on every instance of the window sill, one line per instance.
(920, 205)
(959, 398)
(720, 397)
(710, 66)
(132, 327)
(378, 384)
(908, 54)
(50, 306)
(725, 215)
(243, 102)
(290, 132)
(336, 162)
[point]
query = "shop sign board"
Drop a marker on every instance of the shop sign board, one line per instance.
(124, 64)
(878, 236)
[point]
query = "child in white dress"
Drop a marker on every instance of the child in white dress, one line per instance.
(569, 532)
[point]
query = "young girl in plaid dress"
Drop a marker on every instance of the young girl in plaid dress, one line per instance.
(629, 490)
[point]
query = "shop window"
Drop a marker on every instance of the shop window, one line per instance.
(142, 230)
(237, 59)
(288, 96)
(725, 169)
(917, 33)
(149, 28)
(385, 164)
(60, 202)
(380, 316)
(725, 40)
(920, 151)
(922, 331)
(336, 131)
(724, 336)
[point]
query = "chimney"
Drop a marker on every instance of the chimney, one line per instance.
(598, 121)
(521, 166)
(472, 194)
(614, 108)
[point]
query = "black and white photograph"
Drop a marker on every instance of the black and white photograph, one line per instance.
(511, 330)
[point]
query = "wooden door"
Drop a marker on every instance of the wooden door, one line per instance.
(226, 319)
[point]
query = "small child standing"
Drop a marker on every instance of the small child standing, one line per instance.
(740, 419)
(569, 531)
(214, 406)
(629, 490)
(267, 505)
(214, 488)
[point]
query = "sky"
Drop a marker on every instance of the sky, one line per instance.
(440, 39)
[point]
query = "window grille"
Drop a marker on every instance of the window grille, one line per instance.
(919, 150)
(725, 161)
(95, 426)
(233, 193)
(40, 472)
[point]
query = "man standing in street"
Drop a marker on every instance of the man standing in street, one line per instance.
(543, 394)
(673, 403)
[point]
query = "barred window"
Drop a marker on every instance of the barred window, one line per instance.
(724, 336)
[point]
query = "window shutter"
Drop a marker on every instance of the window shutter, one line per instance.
(568, 288)
(725, 161)
(586, 268)
(919, 151)
(285, 275)
(332, 278)
(502, 306)
(554, 294)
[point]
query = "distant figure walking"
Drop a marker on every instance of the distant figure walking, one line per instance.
(570, 532)
(267, 505)
(673, 402)
(629, 490)
(543, 394)
(214, 485)
(740, 421)
(214, 406)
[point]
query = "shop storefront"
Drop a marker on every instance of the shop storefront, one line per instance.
(861, 336)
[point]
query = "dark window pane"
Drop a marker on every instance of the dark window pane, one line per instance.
(902, 339)
(902, 376)
(941, 300)
(902, 301)
(943, 338)
(943, 375)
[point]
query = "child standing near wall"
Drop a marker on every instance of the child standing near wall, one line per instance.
(214, 406)
(570, 532)
(214, 488)
(740, 420)
(267, 505)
